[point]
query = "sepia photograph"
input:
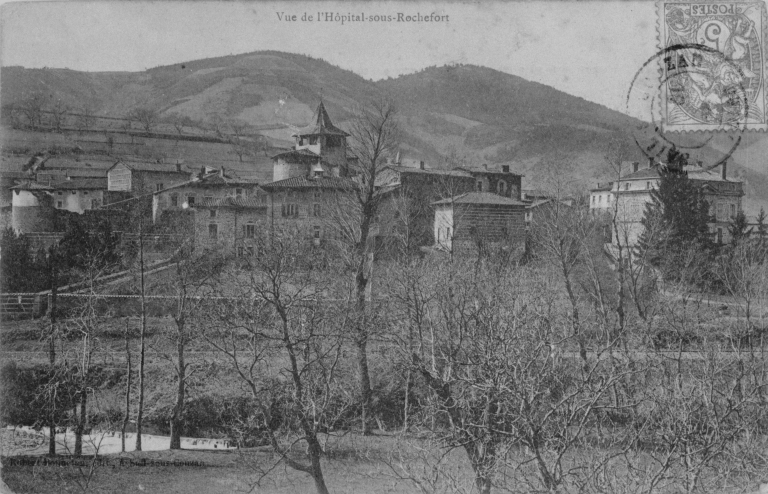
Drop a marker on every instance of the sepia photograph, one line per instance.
(427, 247)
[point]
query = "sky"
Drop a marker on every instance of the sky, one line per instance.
(587, 49)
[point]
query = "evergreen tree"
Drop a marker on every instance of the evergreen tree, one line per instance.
(761, 226)
(739, 228)
(20, 270)
(675, 220)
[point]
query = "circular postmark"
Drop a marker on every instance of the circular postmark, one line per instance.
(689, 87)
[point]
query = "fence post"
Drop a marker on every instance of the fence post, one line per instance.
(36, 309)
(49, 302)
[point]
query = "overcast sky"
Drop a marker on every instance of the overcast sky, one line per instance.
(587, 49)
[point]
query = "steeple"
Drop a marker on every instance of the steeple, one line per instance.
(322, 126)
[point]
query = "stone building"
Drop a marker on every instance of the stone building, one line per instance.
(304, 206)
(413, 191)
(633, 191)
(217, 184)
(145, 178)
(477, 219)
(229, 223)
(80, 194)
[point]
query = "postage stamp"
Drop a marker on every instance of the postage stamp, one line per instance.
(712, 68)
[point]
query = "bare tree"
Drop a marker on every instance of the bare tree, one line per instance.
(33, 108)
(147, 118)
(58, 113)
(281, 315)
(189, 281)
(86, 117)
(375, 134)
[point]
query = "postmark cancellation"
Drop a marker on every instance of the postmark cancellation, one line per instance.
(712, 65)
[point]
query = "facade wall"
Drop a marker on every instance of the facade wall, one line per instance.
(282, 170)
(478, 222)
(31, 212)
(303, 212)
(145, 182)
(79, 201)
(229, 227)
(174, 199)
(119, 178)
(503, 184)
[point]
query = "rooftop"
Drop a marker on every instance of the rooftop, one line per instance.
(230, 202)
(429, 171)
(695, 172)
(298, 154)
(486, 198)
(82, 183)
(30, 185)
(313, 183)
(486, 169)
(153, 167)
(322, 125)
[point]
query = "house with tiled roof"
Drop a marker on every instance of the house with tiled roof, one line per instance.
(478, 220)
(144, 178)
(632, 191)
(206, 185)
(79, 194)
(230, 223)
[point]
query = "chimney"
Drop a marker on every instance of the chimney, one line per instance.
(485, 166)
(724, 170)
(635, 166)
(178, 166)
(505, 168)
(421, 165)
(700, 164)
(221, 172)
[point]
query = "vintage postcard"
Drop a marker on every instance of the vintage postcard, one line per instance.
(383, 246)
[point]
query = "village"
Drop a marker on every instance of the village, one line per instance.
(453, 208)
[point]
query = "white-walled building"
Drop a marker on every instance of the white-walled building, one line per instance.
(80, 194)
(633, 191)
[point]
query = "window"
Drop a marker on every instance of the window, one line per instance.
(448, 232)
(213, 231)
(208, 198)
(312, 140)
(290, 210)
(317, 195)
(74, 192)
(249, 250)
(59, 204)
(733, 211)
(238, 192)
(249, 230)
(175, 200)
(316, 232)
(593, 199)
(720, 211)
(719, 235)
(647, 185)
(159, 187)
(502, 188)
(479, 185)
(59, 193)
(626, 186)
(240, 251)
(85, 192)
(213, 213)
(316, 210)
(190, 200)
(600, 200)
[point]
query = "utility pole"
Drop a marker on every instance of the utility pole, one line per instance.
(140, 414)
(52, 349)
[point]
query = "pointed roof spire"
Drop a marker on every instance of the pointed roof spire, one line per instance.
(323, 125)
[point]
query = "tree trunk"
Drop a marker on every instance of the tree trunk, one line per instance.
(81, 422)
(317, 472)
(127, 413)
(483, 485)
(361, 340)
(365, 383)
(140, 414)
(177, 418)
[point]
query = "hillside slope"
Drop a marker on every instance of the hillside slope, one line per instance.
(452, 113)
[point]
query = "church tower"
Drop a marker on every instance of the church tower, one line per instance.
(321, 148)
